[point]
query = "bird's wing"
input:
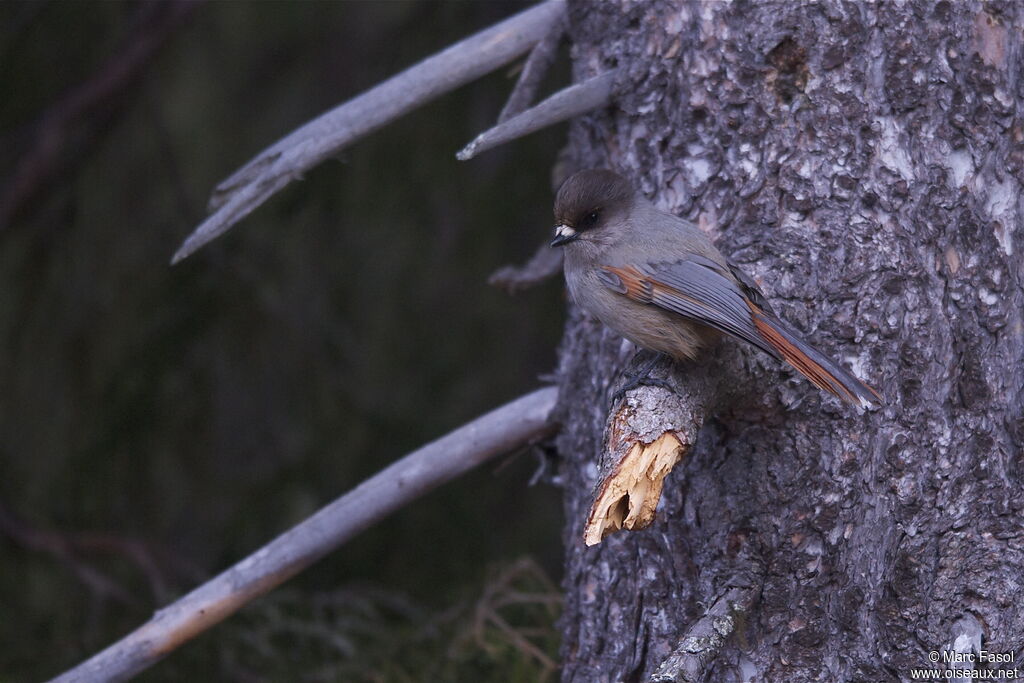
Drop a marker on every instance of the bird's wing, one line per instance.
(715, 295)
(749, 286)
(695, 287)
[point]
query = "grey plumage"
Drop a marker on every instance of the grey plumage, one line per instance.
(659, 281)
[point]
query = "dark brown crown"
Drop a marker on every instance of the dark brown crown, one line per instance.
(588, 196)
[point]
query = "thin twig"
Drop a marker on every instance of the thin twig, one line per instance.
(544, 263)
(536, 67)
(85, 112)
(287, 159)
(577, 99)
(58, 546)
(501, 593)
(499, 431)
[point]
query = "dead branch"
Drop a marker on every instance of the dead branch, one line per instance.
(156, 563)
(86, 110)
(501, 430)
(591, 94)
(58, 546)
(648, 433)
(696, 650)
(536, 67)
(544, 263)
(288, 158)
(501, 593)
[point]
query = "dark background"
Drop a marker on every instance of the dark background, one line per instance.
(157, 424)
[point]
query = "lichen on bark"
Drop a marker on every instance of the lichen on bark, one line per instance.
(864, 162)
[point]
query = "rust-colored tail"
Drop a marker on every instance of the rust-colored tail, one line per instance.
(824, 373)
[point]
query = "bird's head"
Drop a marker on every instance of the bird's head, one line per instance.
(588, 203)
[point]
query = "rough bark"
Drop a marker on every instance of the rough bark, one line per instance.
(864, 162)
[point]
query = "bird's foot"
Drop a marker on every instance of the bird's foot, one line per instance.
(642, 377)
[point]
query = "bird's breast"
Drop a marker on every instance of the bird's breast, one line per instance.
(646, 325)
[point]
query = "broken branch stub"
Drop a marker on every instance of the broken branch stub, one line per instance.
(628, 497)
(648, 433)
(288, 158)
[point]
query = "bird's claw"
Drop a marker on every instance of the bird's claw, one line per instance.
(642, 377)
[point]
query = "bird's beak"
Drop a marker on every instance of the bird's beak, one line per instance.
(563, 235)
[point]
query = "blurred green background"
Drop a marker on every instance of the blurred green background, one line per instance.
(157, 424)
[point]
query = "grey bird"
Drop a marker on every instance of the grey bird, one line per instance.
(658, 280)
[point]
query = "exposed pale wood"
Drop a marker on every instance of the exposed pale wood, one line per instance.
(628, 495)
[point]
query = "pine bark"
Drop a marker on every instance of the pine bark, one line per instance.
(864, 162)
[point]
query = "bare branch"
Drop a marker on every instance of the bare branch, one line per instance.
(647, 434)
(499, 431)
(577, 99)
(58, 546)
(544, 263)
(71, 547)
(696, 650)
(536, 67)
(287, 159)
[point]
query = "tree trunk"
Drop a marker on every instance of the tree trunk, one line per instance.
(864, 163)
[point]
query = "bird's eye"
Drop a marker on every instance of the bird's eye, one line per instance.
(591, 218)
